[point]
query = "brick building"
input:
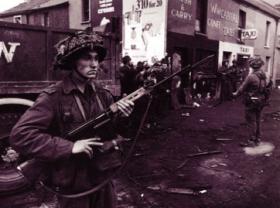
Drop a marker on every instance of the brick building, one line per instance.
(230, 29)
(51, 13)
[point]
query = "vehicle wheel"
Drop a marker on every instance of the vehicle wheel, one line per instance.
(11, 179)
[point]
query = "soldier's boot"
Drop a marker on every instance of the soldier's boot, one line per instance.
(250, 142)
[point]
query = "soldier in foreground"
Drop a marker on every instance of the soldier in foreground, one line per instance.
(254, 88)
(40, 131)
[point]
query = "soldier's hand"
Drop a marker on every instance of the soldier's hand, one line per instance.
(125, 107)
(85, 146)
(234, 94)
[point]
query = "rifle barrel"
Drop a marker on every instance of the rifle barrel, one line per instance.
(186, 68)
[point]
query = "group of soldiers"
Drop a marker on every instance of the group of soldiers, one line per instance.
(40, 132)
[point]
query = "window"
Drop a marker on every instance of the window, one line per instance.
(267, 34)
(242, 19)
(201, 16)
(46, 19)
(27, 19)
(268, 64)
(85, 10)
(18, 19)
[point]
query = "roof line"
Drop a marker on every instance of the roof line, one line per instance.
(264, 8)
(26, 11)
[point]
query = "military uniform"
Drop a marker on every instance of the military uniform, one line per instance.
(253, 83)
(40, 134)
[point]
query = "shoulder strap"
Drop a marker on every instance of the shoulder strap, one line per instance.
(99, 102)
(100, 105)
(80, 106)
(260, 82)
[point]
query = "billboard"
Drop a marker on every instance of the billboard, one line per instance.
(144, 29)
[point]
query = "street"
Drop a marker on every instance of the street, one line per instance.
(166, 172)
(195, 161)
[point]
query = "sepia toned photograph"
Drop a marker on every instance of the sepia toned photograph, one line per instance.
(139, 103)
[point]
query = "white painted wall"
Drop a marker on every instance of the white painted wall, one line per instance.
(75, 15)
(234, 49)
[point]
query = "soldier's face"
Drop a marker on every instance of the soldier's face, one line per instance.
(88, 65)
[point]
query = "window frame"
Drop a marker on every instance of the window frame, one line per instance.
(17, 16)
(268, 64)
(242, 19)
(267, 34)
(201, 18)
(83, 11)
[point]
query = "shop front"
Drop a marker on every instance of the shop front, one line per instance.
(201, 80)
(182, 39)
(231, 51)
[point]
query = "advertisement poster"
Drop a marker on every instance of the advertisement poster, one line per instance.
(144, 32)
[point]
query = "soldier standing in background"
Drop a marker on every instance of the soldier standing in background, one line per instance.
(253, 87)
(234, 77)
(176, 82)
(127, 76)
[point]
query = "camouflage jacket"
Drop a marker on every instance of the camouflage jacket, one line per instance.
(40, 132)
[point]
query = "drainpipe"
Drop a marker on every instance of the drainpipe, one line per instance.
(274, 71)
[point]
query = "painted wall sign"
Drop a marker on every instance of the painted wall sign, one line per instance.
(181, 16)
(223, 19)
(103, 10)
(249, 34)
(244, 50)
(105, 6)
(8, 53)
(144, 33)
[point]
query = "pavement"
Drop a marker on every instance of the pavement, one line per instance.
(197, 162)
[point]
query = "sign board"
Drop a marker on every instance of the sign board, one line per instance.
(181, 16)
(103, 10)
(223, 20)
(144, 32)
(8, 54)
(249, 34)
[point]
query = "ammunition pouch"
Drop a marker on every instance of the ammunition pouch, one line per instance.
(108, 160)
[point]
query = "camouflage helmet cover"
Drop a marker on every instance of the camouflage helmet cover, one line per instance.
(71, 45)
(256, 62)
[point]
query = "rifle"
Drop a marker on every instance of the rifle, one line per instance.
(30, 170)
(106, 116)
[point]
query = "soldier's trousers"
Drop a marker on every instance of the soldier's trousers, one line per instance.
(104, 198)
(253, 119)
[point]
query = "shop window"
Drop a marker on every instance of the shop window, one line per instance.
(18, 19)
(85, 10)
(268, 64)
(201, 16)
(242, 19)
(267, 34)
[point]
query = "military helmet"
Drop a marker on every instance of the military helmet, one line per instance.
(256, 62)
(72, 45)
